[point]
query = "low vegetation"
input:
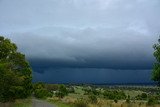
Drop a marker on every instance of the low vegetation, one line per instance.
(40, 91)
(23, 103)
(97, 96)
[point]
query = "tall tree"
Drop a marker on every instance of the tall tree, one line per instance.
(156, 69)
(15, 72)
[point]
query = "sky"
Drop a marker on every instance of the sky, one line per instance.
(84, 41)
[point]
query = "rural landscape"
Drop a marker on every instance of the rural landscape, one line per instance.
(17, 89)
(80, 53)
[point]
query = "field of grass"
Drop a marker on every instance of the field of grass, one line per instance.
(79, 94)
(23, 103)
(106, 103)
(59, 103)
(18, 103)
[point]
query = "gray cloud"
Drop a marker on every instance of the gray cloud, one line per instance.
(115, 34)
(88, 47)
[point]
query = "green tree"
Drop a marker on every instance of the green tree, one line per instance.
(15, 72)
(156, 68)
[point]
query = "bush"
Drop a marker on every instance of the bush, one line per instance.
(38, 85)
(115, 100)
(143, 96)
(62, 91)
(60, 94)
(128, 99)
(152, 100)
(95, 92)
(87, 90)
(93, 98)
(42, 93)
(114, 95)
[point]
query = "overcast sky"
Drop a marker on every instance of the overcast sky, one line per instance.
(84, 38)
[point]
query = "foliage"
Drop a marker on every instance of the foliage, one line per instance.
(95, 92)
(15, 72)
(143, 96)
(115, 100)
(92, 98)
(156, 69)
(62, 91)
(152, 100)
(38, 85)
(128, 99)
(114, 95)
(40, 91)
(89, 91)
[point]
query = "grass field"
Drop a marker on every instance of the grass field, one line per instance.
(71, 98)
(23, 103)
(18, 103)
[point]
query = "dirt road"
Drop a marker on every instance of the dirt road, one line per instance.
(41, 103)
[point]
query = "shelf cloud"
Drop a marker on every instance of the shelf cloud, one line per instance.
(83, 34)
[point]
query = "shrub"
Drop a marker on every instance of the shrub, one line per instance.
(87, 90)
(152, 100)
(95, 92)
(128, 99)
(60, 94)
(62, 91)
(93, 98)
(115, 100)
(38, 85)
(143, 96)
(114, 94)
(42, 93)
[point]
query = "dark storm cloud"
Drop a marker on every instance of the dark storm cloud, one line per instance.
(87, 48)
(93, 75)
(115, 34)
